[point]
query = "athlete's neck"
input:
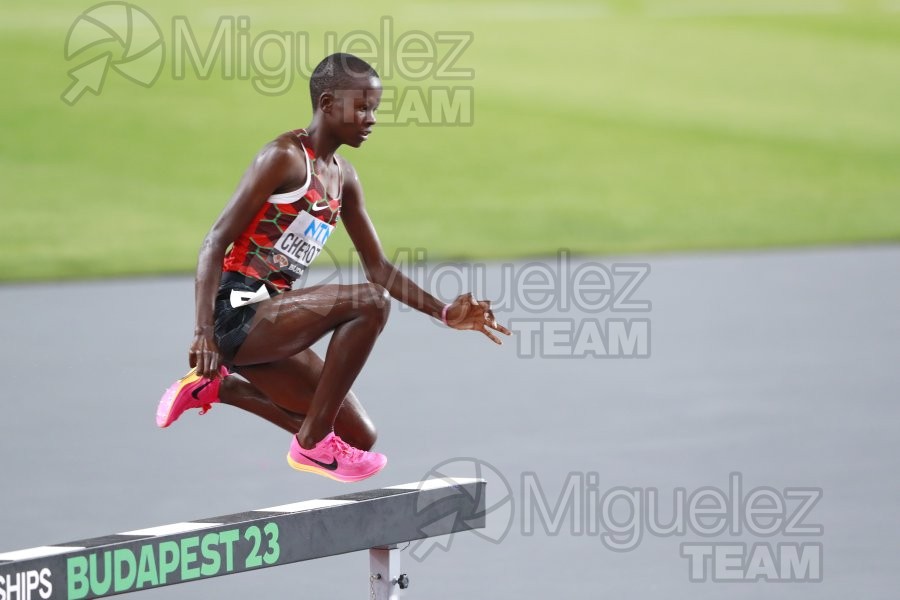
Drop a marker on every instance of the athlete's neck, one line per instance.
(323, 145)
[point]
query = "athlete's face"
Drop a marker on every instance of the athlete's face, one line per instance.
(353, 115)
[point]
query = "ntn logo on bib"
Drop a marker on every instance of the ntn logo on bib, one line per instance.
(300, 244)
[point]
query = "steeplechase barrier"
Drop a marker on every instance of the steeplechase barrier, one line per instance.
(376, 520)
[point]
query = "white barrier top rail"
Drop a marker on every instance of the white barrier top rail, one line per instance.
(148, 558)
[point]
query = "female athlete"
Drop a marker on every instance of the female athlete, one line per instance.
(253, 336)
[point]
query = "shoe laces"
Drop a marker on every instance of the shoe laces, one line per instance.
(345, 450)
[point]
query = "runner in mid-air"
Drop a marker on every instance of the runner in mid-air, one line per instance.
(251, 323)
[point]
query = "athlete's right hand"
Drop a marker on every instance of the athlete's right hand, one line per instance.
(204, 354)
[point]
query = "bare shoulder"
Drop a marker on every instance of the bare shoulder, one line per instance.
(286, 156)
(352, 188)
(286, 145)
(348, 169)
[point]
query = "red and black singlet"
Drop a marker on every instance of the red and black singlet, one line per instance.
(289, 230)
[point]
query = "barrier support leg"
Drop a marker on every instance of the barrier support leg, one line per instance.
(385, 579)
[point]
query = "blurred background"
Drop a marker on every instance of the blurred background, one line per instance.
(745, 151)
(598, 126)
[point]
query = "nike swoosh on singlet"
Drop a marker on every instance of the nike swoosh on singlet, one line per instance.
(332, 467)
(316, 206)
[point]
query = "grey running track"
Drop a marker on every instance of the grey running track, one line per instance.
(779, 367)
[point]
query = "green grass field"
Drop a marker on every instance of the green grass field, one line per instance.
(603, 127)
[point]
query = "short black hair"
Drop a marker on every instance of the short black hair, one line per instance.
(336, 72)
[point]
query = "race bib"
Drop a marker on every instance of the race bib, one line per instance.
(300, 244)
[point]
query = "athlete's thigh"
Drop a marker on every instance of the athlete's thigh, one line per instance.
(293, 321)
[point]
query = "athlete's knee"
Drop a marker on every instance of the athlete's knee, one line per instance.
(375, 302)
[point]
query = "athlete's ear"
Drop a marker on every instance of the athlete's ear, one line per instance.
(326, 102)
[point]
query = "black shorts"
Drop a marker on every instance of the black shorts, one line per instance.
(233, 324)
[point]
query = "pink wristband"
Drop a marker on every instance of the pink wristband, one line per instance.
(444, 315)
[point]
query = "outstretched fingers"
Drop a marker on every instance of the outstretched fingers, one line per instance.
(490, 322)
(476, 315)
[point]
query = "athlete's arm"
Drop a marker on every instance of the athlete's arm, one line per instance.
(464, 313)
(275, 165)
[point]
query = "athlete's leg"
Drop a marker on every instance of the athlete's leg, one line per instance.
(291, 322)
(238, 392)
(293, 382)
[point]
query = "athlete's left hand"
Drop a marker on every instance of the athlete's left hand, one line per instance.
(467, 313)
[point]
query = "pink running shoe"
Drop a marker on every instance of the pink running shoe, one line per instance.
(191, 391)
(335, 458)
